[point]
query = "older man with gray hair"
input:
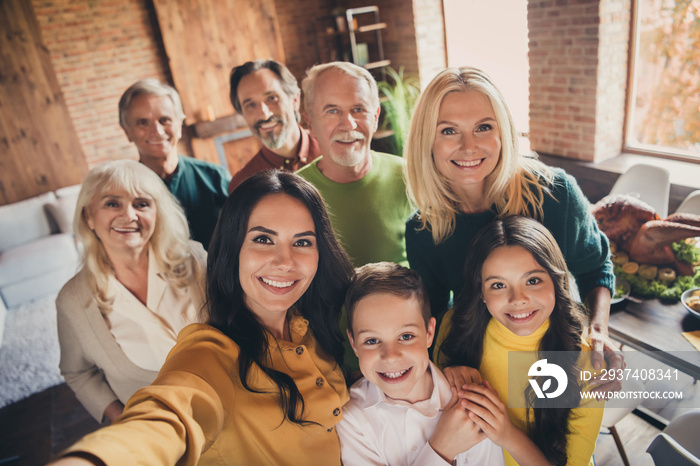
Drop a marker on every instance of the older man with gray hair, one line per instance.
(364, 189)
(151, 115)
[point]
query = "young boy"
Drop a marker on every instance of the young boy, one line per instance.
(402, 411)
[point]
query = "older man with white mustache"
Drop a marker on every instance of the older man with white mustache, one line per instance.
(364, 189)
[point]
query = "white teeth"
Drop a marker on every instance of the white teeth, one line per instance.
(473, 163)
(126, 230)
(277, 284)
(393, 375)
(349, 137)
(521, 316)
(271, 124)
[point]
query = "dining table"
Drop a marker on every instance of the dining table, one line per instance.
(656, 327)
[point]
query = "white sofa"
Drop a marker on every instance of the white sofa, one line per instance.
(38, 253)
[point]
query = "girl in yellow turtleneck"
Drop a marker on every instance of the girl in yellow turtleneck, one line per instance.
(516, 297)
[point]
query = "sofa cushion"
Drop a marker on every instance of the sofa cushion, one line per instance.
(62, 209)
(69, 192)
(24, 221)
(37, 258)
(48, 284)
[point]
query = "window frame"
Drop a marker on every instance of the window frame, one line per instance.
(640, 148)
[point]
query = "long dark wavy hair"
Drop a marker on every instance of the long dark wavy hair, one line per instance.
(320, 304)
(549, 427)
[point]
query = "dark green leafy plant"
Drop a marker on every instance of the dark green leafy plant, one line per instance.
(399, 96)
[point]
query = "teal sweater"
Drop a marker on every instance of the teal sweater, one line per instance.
(566, 215)
(202, 188)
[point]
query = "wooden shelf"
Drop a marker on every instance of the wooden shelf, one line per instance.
(377, 64)
(372, 27)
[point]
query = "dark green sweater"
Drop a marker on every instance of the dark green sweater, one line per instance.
(566, 215)
(202, 188)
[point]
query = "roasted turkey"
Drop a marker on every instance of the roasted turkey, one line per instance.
(636, 229)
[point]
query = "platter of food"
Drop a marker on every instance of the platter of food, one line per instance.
(658, 258)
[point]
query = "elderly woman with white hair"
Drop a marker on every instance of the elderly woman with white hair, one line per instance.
(141, 282)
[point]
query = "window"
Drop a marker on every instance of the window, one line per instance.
(493, 36)
(663, 115)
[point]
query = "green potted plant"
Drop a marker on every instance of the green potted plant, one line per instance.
(398, 96)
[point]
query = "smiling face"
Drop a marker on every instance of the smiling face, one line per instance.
(343, 118)
(268, 110)
(518, 292)
(391, 341)
(152, 124)
(467, 143)
(123, 223)
(279, 257)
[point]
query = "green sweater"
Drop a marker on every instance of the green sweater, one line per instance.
(369, 215)
(566, 215)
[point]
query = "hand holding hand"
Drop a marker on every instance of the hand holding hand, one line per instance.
(458, 376)
(455, 431)
(488, 412)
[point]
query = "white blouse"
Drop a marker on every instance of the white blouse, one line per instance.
(147, 333)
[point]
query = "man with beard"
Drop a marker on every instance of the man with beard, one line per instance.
(267, 95)
(365, 190)
(151, 115)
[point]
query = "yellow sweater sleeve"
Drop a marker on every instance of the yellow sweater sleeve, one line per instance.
(584, 421)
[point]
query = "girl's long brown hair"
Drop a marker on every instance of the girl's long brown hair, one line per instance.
(548, 428)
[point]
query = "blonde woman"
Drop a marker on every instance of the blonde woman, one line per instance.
(464, 170)
(141, 282)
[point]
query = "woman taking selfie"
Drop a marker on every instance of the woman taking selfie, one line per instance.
(142, 281)
(464, 170)
(261, 383)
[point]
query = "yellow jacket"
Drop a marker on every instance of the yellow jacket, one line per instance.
(197, 411)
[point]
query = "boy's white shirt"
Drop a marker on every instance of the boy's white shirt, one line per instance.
(377, 430)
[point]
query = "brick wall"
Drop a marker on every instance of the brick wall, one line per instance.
(98, 48)
(295, 19)
(578, 76)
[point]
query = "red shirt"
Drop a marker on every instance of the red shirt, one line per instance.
(265, 159)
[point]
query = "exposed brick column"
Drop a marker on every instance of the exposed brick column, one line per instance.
(578, 76)
(430, 38)
(612, 77)
(98, 49)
